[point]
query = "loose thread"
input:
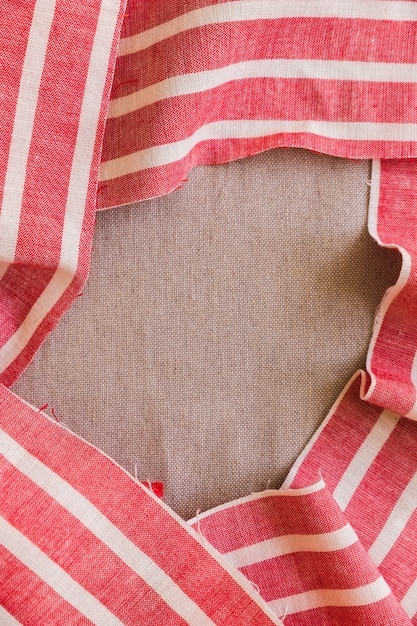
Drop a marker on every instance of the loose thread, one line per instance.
(197, 517)
(255, 586)
(131, 9)
(283, 617)
(101, 187)
(126, 82)
(42, 408)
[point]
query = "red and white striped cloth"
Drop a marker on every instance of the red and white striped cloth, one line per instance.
(202, 81)
(368, 458)
(299, 550)
(206, 81)
(84, 543)
(57, 58)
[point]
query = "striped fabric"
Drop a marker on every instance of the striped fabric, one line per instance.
(298, 549)
(57, 58)
(392, 356)
(368, 458)
(206, 81)
(341, 550)
(197, 82)
(83, 543)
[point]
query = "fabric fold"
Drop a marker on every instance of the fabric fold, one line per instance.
(54, 104)
(367, 456)
(103, 547)
(391, 360)
(299, 550)
(202, 82)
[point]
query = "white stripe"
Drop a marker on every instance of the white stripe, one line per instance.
(6, 619)
(400, 515)
(78, 185)
(361, 596)
(98, 524)
(249, 10)
(316, 69)
(279, 546)
(412, 413)
(54, 576)
(165, 154)
(22, 128)
(392, 292)
(409, 601)
(374, 200)
(364, 458)
(269, 493)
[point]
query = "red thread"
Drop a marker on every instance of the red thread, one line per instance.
(354, 160)
(54, 414)
(349, 159)
(131, 9)
(45, 406)
(125, 82)
(101, 187)
(156, 487)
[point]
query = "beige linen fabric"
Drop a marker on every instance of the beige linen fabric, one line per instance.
(219, 324)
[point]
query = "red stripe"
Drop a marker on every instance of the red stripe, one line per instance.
(282, 99)
(55, 132)
(392, 367)
(266, 518)
(16, 303)
(15, 33)
(399, 566)
(381, 613)
(13, 371)
(31, 601)
(397, 225)
(397, 220)
(141, 15)
(301, 572)
(217, 45)
(185, 560)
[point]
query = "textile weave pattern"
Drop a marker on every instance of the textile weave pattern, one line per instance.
(202, 82)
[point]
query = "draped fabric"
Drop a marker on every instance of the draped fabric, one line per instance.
(102, 105)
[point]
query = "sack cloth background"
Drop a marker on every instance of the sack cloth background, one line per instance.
(219, 323)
